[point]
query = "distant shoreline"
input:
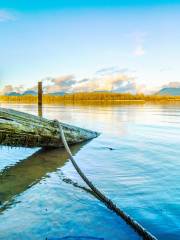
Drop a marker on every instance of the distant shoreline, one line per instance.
(92, 98)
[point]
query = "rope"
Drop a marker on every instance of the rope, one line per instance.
(99, 195)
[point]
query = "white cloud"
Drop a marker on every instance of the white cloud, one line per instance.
(110, 71)
(110, 79)
(10, 88)
(117, 81)
(6, 15)
(139, 51)
(62, 83)
(7, 89)
(139, 38)
(172, 85)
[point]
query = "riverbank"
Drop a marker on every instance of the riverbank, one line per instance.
(96, 98)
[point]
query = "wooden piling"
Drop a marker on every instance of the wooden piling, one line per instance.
(40, 95)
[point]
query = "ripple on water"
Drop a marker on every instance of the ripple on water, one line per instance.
(135, 161)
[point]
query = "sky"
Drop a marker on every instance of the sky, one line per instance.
(89, 45)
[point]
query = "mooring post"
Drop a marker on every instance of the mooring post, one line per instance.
(40, 94)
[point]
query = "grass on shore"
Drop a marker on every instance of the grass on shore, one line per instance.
(90, 97)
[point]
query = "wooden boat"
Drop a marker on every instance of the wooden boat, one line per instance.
(19, 129)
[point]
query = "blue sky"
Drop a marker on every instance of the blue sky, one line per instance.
(139, 40)
(40, 5)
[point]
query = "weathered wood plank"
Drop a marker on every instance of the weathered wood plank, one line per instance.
(18, 129)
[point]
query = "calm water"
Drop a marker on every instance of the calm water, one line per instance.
(135, 161)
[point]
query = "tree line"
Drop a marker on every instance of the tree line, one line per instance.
(88, 97)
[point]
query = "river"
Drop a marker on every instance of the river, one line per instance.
(135, 161)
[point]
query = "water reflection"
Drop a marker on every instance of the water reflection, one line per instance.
(135, 162)
(16, 179)
(40, 111)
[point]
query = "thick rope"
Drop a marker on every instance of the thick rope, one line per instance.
(99, 195)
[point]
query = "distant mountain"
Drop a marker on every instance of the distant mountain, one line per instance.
(29, 92)
(12, 94)
(57, 94)
(169, 91)
(33, 93)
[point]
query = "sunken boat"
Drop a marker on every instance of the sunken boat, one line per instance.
(19, 129)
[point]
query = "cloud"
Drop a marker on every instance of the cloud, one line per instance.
(19, 89)
(119, 80)
(166, 69)
(111, 70)
(64, 81)
(83, 80)
(61, 84)
(139, 39)
(139, 51)
(116, 82)
(110, 79)
(7, 89)
(172, 85)
(10, 88)
(6, 15)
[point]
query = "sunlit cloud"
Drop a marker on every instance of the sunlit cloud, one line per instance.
(10, 88)
(61, 84)
(7, 89)
(112, 79)
(118, 80)
(172, 85)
